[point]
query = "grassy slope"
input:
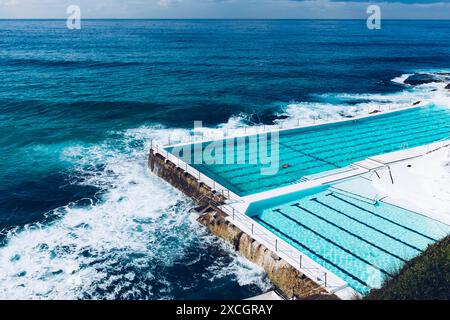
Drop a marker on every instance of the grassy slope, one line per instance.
(425, 277)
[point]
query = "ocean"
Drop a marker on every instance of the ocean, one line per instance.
(81, 217)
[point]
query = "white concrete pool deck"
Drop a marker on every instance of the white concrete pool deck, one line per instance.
(422, 184)
(354, 170)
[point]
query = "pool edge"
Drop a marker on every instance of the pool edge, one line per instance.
(204, 196)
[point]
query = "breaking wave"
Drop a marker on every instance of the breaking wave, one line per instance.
(136, 238)
(338, 106)
(332, 107)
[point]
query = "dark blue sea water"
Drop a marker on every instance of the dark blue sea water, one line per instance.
(80, 214)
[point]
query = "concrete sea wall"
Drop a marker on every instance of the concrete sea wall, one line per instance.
(290, 281)
(182, 180)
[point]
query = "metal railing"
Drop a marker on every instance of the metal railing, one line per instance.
(291, 255)
(323, 118)
(356, 196)
(217, 187)
(267, 238)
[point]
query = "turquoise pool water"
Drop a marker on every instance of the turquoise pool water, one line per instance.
(327, 147)
(360, 242)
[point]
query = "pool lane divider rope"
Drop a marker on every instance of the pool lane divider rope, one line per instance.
(309, 155)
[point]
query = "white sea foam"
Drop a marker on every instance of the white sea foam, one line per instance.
(343, 105)
(401, 79)
(247, 273)
(116, 247)
(337, 106)
(113, 246)
(331, 107)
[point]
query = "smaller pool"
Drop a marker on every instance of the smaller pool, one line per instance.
(361, 242)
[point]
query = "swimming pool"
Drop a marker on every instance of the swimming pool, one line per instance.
(311, 150)
(361, 242)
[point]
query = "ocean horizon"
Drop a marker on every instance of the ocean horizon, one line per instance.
(81, 217)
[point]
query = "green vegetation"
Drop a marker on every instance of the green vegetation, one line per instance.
(426, 277)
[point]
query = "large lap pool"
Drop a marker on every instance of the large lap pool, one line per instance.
(360, 242)
(308, 151)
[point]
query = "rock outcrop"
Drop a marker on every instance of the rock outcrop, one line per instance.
(421, 78)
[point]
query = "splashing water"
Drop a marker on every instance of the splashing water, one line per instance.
(137, 240)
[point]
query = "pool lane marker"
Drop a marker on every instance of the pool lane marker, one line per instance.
(368, 130)
(315, 253)
(369, 134)
(367, 225)
(334, 243)
(310, 155)
(373, 137)
(297, 205)
(384, 218)
(321, 160)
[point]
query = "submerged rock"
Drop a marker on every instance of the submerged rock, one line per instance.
(448, 87)
(421, 78)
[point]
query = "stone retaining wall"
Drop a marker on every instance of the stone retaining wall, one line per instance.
(290, 281)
